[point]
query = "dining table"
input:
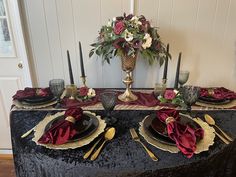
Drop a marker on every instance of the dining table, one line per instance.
(120, 157)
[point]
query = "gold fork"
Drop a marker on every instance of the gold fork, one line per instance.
(136, 138)
(32, 129)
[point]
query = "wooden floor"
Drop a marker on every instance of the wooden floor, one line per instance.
(7, 167)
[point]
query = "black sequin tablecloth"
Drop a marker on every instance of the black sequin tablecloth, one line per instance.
(122, 156)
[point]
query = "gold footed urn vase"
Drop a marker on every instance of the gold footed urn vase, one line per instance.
(128, 64)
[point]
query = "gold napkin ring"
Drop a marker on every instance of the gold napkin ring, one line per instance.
(37, 92)
(211, 92)
(169, 120)
(70, 119)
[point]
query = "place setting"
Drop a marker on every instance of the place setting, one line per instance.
(69, 129)
(173, 131)
(36, 98)
(217, 97)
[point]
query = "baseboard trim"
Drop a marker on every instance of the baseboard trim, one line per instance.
(6, 154)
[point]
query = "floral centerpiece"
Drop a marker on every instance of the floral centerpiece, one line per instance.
(86, 93)
(128, 36)
(173, 97)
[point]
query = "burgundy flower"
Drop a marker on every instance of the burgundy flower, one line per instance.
(169, 94)
(129, 17)
(119, 27)
(83, 91)
(156, 45)
(145, 26)
(43, 92)
(137, 44)
(126, 48)
(142, 18)
(118, 43)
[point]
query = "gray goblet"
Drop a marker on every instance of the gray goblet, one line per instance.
(190, 95)
(109, 100)
(57, 87)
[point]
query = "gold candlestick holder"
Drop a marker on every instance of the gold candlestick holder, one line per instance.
(164, 81)
(71, 91)
(160, 88)
(83, 78)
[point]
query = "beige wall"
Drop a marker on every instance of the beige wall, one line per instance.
(203, 30)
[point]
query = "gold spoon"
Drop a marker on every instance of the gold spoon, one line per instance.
(211, 121)
(108, 136)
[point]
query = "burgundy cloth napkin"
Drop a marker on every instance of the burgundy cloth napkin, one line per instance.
(218, 93)
(144, 99)
(184, 136)
(64, 130)
(32, 92)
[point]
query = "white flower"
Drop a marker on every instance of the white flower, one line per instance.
(91, 93)
(128, 36)
(148, 41)
(114, 19)
(109, 23)
(136, 20)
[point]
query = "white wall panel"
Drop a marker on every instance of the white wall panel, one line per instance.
(39, 40)
(203, 30)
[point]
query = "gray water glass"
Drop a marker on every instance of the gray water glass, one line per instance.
(57, 87)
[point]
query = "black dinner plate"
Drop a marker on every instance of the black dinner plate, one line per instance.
(160, 127)
(37, 99)
(84, 127)
(210, 100)
(157, 129)
(39, 102)
(153, 134)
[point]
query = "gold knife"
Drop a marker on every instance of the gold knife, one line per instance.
(222, 138)
(136, 138)
(32, 129)
(87, 154)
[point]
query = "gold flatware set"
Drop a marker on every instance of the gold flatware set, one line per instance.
(225, 138)
(109, 135)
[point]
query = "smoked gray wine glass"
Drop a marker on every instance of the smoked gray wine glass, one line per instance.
(190, 95)
(183, 77)
(57, 87)
(109, 100)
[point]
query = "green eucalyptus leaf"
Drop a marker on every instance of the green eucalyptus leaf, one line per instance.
(163, 100)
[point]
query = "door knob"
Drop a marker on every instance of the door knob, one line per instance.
(20, 65)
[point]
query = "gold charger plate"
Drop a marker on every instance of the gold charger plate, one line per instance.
(202, 145)
(39, 130)
(229, 105)
(18, 104)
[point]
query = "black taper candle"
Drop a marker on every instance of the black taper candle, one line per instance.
(81, 61)
(177, 72)
(166, 63)
(70, 68)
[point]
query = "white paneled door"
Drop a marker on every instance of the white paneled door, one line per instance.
(14, 70)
